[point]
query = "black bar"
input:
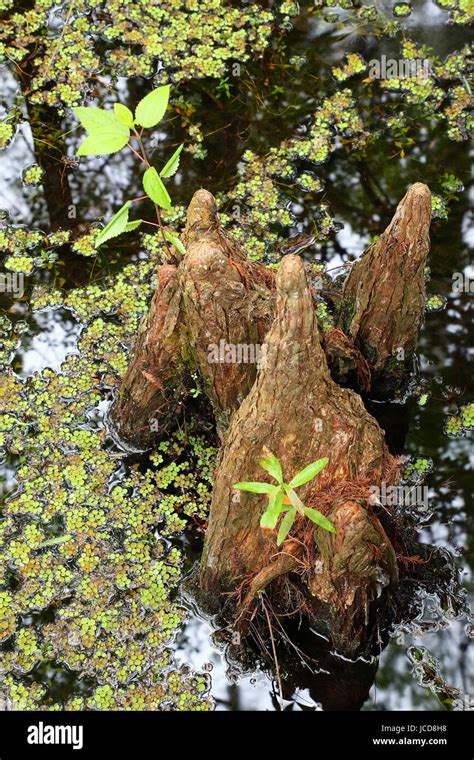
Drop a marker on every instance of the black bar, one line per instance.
(306, 734)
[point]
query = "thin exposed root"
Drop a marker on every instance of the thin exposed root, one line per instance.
(283, 564)
(304, 658)
(413, 561)
(275, 658)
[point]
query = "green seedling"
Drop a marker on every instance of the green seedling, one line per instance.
(111, 131)
(283, 499)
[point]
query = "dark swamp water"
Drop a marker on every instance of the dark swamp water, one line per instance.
(268, 99)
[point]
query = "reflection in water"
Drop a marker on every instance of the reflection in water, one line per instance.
(52, 336)
(323, 681)
(361, 194)
(335, 684)
(231, 690)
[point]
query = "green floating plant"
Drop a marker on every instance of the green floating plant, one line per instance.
(79, 537)
(283, 499)
(110, 132)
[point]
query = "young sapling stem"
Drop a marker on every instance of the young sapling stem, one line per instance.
(157, 209)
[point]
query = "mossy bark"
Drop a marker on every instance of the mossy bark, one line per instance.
(153, 388)
(290, 404)
(384, 296)
(297, 411)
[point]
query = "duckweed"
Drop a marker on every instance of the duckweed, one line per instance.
(401, 10)
(84, 537)
(436, 303)
(32, 175)
(26, 250)
(439, 209)
(354, 64)
(467, 413)
(7, 131)
(461, 11)
(188, 39)
(258, 203)
(83, 533)
(416, 469)
(453, 426)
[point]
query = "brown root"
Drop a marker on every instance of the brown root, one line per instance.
(152, 389)
(298, 412)
(383, 302)
(289, 403)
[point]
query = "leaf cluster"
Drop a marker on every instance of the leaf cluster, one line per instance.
(283, 501)
(109, 132)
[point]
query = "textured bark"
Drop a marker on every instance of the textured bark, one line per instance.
(297, 411)
(355, 565)
(290, 404)
(152, 389)
(215, 298)
(228, 306)
(384, 296)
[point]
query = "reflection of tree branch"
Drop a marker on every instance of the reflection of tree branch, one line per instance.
(372, 187)
(345, 205)
(340, 249)
(57, 191)
(46, 128)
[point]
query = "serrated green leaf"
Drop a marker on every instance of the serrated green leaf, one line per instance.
(319, 519)
(102, 142)
(270, 517)
(255, 487)
(175, 241)
(172, 166)
(155, 188)
(285, 526)
(152, 107)
(130, 226)
(106, 134)
(308, 473)
(98, 118)
(115, 227)
(294, 498)
(123, 115)
(271, 465)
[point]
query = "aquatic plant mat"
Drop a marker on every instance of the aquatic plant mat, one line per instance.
(120, 441)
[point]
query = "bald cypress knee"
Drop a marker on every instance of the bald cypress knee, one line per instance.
(291, 403)
(384, 295)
